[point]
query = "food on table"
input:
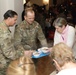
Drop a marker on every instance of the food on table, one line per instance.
(36, 54)
(43, 49)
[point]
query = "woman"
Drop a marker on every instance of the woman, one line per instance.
(64, 32)
(21, 66)
(63, 59)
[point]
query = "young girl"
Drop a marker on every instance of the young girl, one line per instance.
(21, 66)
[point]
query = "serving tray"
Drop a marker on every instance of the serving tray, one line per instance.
(41, 55)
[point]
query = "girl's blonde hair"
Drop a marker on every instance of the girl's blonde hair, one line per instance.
(21, 66)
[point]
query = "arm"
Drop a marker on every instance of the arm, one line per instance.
(6, 45)
(18, 38)
(41, 36)
(71, 37)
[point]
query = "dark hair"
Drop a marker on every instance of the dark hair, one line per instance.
(9, 13)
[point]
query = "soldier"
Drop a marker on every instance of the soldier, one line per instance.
(7, 49)
(28, 31)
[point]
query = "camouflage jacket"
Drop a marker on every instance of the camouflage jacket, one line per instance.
(26, 35)
(7, 49)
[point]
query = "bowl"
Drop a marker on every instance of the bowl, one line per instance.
(44, 49)
(40, 50)
(36, 54)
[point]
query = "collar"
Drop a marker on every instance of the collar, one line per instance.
(66, 29)
(27, 25)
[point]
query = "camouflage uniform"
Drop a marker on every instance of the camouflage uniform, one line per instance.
(27, 35)
(7, 49)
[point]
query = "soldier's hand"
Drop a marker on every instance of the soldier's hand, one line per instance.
(49, 49)
(28, 53)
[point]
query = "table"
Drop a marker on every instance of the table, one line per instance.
(45, 66)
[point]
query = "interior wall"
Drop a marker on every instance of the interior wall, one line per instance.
(4, 7)
(16, 5)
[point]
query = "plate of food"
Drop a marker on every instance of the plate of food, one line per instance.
(36, 54)
(44, 49)
(41, 52)
(39, 55)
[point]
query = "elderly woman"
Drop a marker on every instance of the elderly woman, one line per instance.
(64, 32)
(63, 59)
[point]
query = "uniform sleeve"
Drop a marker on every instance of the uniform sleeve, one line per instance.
(7, 47)
(9, 51)
(17, 38)
(41, 36)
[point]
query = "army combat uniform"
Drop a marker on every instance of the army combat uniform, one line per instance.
(7, 49)
(27, 35)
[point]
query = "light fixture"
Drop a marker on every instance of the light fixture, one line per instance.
(24, 1)
(45, 2)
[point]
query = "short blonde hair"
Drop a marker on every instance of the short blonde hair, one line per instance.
(28, 10)
(62, 53)
(21, 66)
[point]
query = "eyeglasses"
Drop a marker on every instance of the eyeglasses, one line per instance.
(24, 64)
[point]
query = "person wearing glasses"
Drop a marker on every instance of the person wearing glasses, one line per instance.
(63, 59)
(21, 66)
